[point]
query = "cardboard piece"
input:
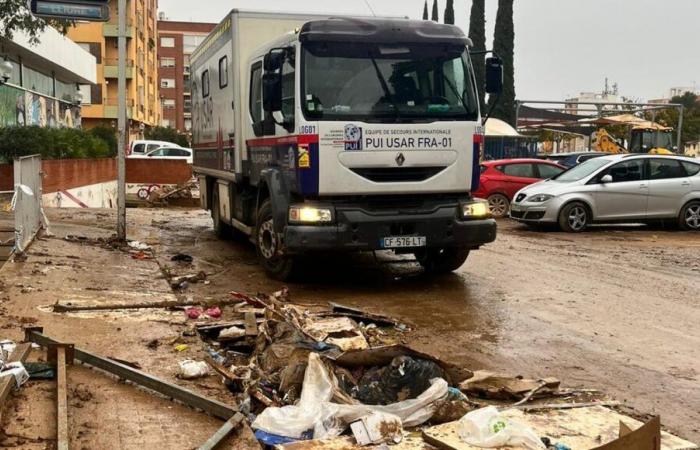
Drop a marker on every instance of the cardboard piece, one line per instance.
(580, 429)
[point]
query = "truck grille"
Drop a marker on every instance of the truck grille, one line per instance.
(397, 174)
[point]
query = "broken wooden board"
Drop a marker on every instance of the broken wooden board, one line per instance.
(581, 429)
(411, 441)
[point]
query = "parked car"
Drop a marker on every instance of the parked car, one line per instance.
(141, 147)
(615, 188)
(168, 153)
(501, 179)
(573, 159)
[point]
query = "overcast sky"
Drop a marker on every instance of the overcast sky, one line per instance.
(562, 47)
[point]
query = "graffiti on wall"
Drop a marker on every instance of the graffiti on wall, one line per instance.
(19, 107)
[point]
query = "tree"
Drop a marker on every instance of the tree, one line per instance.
(503, 46)
(691, 117)
(166, 134)
(477, 34)
(15, 16)
(434, 17)
(425, 10)
(450, 12)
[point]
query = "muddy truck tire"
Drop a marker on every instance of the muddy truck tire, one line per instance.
(269, 247)
(441, 261)
(221, 228)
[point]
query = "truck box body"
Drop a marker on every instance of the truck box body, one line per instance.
(353, 131)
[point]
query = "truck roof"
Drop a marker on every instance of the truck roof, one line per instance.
(382, 31)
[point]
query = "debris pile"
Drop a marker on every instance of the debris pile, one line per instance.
(300, 374)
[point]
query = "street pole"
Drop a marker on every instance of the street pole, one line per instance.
(121, 125)
(680, 125)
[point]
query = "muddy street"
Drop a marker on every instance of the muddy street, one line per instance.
(614, 308)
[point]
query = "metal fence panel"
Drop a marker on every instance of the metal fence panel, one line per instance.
(27, 200)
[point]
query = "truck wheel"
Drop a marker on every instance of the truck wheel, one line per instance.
(689, 218)
(443, 260)
(268, 246)
(499, 205)
(221, 228)
(574, 217)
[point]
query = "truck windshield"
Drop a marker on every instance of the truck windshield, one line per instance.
(380, 83)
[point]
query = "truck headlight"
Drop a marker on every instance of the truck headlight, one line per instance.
(478, 209)
(540, 198)
(309, 214)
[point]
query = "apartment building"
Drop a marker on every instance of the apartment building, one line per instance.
(176, 41)
(100, 100)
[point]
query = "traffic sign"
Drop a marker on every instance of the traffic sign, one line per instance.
(90, 10)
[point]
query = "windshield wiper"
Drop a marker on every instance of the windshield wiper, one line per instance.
(454, 90)
(385, 86)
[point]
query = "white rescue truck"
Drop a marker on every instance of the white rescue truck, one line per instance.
(329, 134)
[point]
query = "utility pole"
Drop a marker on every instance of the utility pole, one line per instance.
(121, 125)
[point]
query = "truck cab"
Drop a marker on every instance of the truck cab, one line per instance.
(349, 134)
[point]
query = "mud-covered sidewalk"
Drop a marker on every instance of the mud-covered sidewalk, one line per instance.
(613, 309)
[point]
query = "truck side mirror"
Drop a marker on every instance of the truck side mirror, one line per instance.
(494, 75)
(272, 92)
(274, 59)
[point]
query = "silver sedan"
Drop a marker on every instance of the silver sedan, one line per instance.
(615, 188)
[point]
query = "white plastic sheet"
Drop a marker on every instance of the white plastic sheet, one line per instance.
(314, 411)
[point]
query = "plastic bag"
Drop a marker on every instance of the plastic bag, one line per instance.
(314, 411)
(190, 369)
(16, 370)
(405, 377)
(487, 428)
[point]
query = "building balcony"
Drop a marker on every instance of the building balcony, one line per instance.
(111, 68)
(111, 108)
(111, 29)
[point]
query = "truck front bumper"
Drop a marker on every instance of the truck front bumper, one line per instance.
(360, 229)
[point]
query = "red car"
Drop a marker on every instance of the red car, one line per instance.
(501, 179)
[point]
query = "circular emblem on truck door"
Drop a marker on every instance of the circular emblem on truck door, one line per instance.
(400, 159)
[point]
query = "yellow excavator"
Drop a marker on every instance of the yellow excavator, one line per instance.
(653, 139)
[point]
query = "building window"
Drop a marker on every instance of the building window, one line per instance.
(165, 123)
(167, 83)
(86, 91)
(205, 84)
(191, 42)
(188, 124)
(37, 81)
(167, 42)
(168, 103)
(167, 62)
(223, 72)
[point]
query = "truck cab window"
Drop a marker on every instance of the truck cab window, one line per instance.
(255, 101)
(288, 89)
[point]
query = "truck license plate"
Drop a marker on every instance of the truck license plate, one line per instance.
(403, 241)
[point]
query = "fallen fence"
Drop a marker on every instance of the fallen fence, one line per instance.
(26, 201)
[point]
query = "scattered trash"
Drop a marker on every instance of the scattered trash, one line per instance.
(181, 347)
(377, 428)
(272, 439)
(193, 313)
(342, 332)
(494, 386)
(404, 378)
(213, 312)
(141, 255)
(182, 257)
(136, 245)
(231, 333)
(15, 370)
(190, 369)
(180, 281)
(40, 371)
(486, 428)
(153, 344)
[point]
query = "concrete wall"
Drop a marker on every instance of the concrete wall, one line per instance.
(99, 195)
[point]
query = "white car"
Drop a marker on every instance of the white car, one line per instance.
(141, 147)
(167, 153)
(615, 188)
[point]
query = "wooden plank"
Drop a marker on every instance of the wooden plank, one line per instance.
(230, 425)
(61, 400)
(20, 354)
